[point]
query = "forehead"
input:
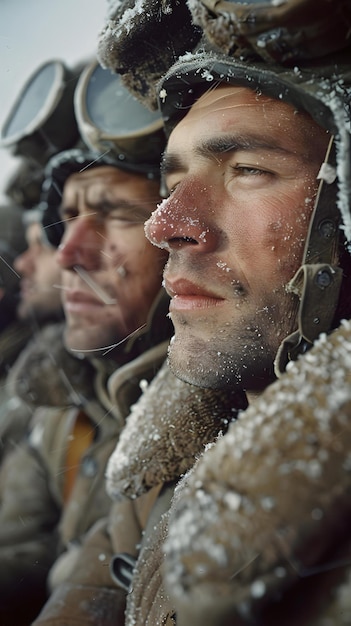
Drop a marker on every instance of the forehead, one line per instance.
(108, 174)
(107, 179)
(228, 108)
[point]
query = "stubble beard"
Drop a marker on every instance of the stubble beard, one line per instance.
(239, 357)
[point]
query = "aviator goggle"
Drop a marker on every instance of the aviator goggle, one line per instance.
(111, 121)
(281, 30)
(41, 121)
(118, 130)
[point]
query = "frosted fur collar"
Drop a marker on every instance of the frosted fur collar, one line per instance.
(273, 495)
(167, 428)
(46, 374)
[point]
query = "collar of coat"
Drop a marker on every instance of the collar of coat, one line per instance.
(166, 430)
(46, 374)
(275, 495)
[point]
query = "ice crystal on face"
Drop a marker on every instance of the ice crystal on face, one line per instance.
(223, 266)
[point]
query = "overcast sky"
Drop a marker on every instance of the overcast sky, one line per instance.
(35, 31)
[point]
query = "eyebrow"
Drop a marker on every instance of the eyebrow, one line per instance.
(107, 206)
(216, 146)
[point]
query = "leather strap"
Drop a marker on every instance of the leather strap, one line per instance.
(317, 282)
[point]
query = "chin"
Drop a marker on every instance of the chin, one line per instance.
(212, 368)
(90, 343)
(198, 367)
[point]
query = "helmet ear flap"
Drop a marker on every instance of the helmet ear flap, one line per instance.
(318, 281)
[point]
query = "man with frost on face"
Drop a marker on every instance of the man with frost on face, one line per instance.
(257, 226)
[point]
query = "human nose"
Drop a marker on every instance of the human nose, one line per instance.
(24, 264)
(182, 221)
(81, 245)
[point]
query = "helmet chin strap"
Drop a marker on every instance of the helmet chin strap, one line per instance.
(317, 282)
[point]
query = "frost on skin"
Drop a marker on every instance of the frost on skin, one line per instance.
(272, 495)
(163, 216)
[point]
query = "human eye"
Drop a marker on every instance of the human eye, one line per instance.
(250, 175)
(171, 190)
(246, 170)
(67, 213)
(129, 215)
(171, 185)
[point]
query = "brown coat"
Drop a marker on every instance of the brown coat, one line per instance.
(166, 429)
(38, 520)
(260, 531)
(15, 414)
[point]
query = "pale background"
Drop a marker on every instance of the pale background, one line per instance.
(35, 31)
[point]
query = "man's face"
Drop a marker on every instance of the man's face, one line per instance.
(40, 278)
(241, 170)
(111, 273)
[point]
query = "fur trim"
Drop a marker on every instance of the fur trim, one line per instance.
(169, 426)
(142, 39)
(273, 492)
(46, 374)
(220, 29)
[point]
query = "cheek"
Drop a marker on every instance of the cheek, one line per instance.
(269, 236)
(142, 267)
(123, 248)
(285, 237)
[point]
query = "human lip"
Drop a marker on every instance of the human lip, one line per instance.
(79, 301)
(186, 295)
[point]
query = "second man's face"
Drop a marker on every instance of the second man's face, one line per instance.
(111, 273)
(241, 170)
(40, 278)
